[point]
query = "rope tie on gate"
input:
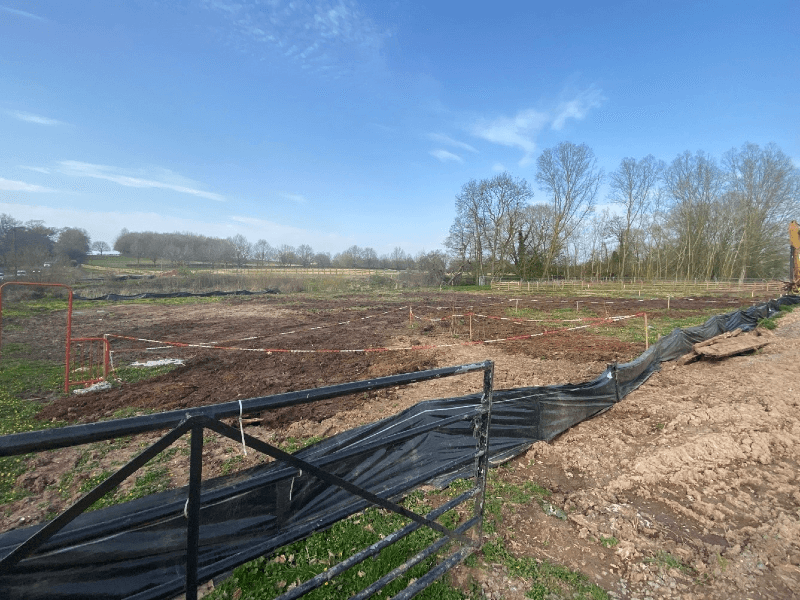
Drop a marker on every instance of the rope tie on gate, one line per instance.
(241, 429)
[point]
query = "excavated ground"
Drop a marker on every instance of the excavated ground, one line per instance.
(699, 465)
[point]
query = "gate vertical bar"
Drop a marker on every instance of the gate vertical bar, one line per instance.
(482, 462)
(193, 511)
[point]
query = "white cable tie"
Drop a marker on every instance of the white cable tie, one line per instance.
(241, 429)
(186, 509)
(291, 487)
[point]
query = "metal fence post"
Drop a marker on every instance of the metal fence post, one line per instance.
(193, 511)
(482, 462)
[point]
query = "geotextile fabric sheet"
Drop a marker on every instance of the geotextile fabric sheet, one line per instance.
(138, 548)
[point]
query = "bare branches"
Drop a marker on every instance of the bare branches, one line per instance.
(569, 174)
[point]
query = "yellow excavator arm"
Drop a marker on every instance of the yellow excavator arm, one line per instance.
(794, 258)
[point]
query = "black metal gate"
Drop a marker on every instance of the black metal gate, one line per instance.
(196, 421)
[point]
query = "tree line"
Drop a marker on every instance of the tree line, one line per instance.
(695, 217)
(33, 245)
(186, 248)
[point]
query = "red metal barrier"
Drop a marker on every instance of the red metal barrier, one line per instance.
(67, 360)
(90, 358)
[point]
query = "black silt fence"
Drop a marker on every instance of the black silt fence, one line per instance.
(133, 547)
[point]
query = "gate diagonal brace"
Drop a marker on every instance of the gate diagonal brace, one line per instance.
(329, 478)
(36, 540)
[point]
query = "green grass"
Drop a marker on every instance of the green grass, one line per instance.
(665, 560)
(608, 542)
(293, 444)
(32, 307)
(632, 330)
(21, 380)
(25, 378)
(772, 322)
(268, 577)
(38, 306)
(547, 578)
(152, 479)
(18, 379)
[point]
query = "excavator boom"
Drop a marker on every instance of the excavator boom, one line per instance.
(793, 284)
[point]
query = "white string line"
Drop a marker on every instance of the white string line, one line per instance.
(343, 322)
(381, 349)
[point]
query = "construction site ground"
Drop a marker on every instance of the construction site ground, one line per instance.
(686, 488)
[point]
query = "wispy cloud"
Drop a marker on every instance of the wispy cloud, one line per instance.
(519, 131)
(498, 167)
(31, 118)
(578, 107)
(9, 185)
(445, 156)
(522, 130)
(114, 174)
(298, 198)
(21, 13)
(329, 36)
(44, 170)
(441, 138)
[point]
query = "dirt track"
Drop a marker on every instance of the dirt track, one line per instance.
(700, 464)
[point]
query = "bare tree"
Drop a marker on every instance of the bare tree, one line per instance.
(100, 247)
(505, 200)
(369, 258)
(398, 258)
(242, 249)
(533, 236)
(322, 260)
(569, 174)
(262, 251)
(286, 254)
(632, 185)
(488, 217)
(305, 254)
(764, 189)
(467, 232)
(694, 184)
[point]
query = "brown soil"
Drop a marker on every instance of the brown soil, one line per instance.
(699, 463)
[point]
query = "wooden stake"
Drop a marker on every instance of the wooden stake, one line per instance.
(646, 333)
(410, 318)
(667, 302)
(470, 327)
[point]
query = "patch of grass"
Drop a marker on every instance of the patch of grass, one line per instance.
(608, 542)
(546, 578)
(772, 322)
(665, 560)
(23, 309)
(293, 444)
(20, 378)
(229, 464)
(632, 330)
(153, 480)
(16, 349)
(268, 577)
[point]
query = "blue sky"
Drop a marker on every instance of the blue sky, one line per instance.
(337, 122)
